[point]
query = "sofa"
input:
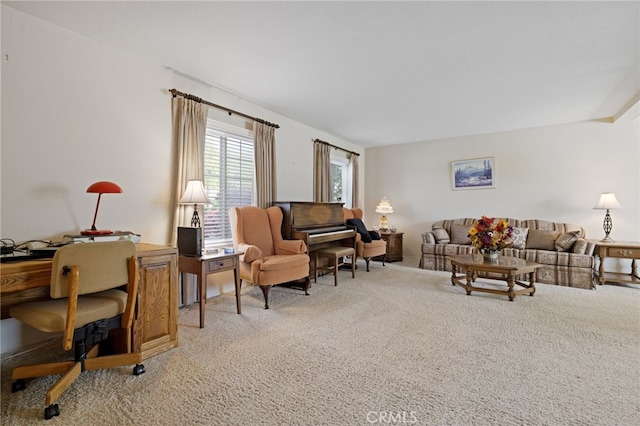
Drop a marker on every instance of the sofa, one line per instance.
(566, 257)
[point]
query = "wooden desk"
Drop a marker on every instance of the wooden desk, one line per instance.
(620, 250)
(202, 266)
(155, 327)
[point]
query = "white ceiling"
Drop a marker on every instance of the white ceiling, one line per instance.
(379, 73)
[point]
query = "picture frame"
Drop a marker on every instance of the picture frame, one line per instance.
(477, 173)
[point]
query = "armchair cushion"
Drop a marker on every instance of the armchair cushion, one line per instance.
(360, 228)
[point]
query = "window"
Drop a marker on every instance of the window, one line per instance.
(341, 181)
(228, 178)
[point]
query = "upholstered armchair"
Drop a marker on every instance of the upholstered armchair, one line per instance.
(366, 248)
(267, 259)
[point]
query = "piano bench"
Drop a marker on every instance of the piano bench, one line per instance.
(337, 253)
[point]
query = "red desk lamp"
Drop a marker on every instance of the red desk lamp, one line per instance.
(102, 187)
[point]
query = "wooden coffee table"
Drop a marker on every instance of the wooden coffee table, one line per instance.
(506, 268)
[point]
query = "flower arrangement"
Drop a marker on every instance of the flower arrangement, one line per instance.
(489, 234)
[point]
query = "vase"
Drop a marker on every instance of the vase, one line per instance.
(490, 256)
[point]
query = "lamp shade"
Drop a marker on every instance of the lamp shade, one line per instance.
(384, 207)
(194, 194)
(104, 187)
(607, 201)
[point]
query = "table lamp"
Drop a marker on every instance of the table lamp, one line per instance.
(607, 201)
(102, 187)
(195, 194)
(384, 208)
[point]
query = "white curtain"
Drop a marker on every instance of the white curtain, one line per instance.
(265, 164)
(321, 172)
(353, 160)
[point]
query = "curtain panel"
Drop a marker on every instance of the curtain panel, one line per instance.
(353, 160)
(265, 164)
(321, 172)
(189, 121)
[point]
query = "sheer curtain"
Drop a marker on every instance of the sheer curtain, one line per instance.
(265, 164)
(321, 172)
(353, 161)
(189, 120)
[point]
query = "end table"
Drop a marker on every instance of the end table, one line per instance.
(620, 250)
(394, 246)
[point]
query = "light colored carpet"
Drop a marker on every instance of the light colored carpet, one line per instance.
(397, 345)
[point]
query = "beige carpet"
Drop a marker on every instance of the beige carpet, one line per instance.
(397, 345)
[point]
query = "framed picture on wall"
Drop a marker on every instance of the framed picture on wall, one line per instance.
(478, 173)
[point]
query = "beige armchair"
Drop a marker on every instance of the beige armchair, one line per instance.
(267, 258)
(365, 250)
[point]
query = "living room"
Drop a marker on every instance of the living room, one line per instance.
(77, 110)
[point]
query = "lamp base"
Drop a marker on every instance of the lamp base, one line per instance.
(96, 232)
(607, 239)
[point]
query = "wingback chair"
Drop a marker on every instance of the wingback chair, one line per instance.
(94, 289)
(267, 258)
(365, 250)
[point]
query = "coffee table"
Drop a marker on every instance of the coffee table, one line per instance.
(506, 268)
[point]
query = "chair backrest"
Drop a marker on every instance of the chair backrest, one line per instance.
(252, 225)
(102, 266)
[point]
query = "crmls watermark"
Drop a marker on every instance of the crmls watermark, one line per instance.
(392, 417)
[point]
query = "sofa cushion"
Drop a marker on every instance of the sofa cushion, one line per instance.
(566, 241)
(520, 238)
(542, 240)
(442, 236)
(580, 247)
(460, 234)
(360, 228)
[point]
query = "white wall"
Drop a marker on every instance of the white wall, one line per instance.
(553, 173)
(75, 111)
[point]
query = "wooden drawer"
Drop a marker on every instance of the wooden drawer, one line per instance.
(220, 264)
(626, 253)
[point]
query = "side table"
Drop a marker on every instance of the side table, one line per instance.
(394, 246)
(620, 250)
(202, 266)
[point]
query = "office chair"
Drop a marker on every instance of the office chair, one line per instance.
(94, 288)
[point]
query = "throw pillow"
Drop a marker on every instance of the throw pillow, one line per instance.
(580, 247)
(460, 234)
(442, 236)
(374, 235)
(360, 228)
(520, 238)
(542, 240)
(566, 241)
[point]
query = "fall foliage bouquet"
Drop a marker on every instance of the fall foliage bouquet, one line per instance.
(490, 234)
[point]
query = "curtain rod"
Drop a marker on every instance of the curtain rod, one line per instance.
(175, 93)
(336, 147)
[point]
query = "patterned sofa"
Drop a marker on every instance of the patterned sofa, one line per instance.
(561, 248)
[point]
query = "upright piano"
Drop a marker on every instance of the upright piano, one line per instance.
(320, 225)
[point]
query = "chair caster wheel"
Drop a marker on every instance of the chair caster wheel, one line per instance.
(18, 385)
(138, 369)
(51, 411)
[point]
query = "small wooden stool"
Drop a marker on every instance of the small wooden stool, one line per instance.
(336, 253)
